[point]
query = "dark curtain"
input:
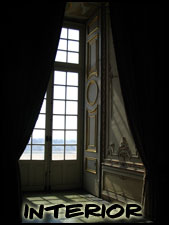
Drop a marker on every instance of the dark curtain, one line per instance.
(138, 35)
(29, 39)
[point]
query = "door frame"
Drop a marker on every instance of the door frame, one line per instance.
(28, 168)
(92, 130)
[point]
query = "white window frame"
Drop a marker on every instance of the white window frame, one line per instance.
(68, 67)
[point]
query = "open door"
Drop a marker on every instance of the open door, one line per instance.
(91, 178)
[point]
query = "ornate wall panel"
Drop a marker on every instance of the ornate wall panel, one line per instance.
(91, 130)
(92, 105)
(93, 26)
(92, 51)
(122, 186)
(91, 165)
(92, 92)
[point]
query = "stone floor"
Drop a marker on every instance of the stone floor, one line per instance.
(34, 200)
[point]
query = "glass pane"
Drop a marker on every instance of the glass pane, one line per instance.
(40, 122)
(38, 137)
(26, 154)
(73, 46)
(73, 57)
(72, 78)
(71, 137)
(63, 33)
(58, 122)
(59, 92)
(71, 107)
(71, 152)
(58, 137)
(43, 108)
(72, 93)
(62, 44)
(60, 56)
(57, 152)
(73, 34)
(38, 152)
(71, 122)
(58, 107)
(59, 77)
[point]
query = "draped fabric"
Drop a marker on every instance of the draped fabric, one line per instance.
(30, 38)
(138, 35)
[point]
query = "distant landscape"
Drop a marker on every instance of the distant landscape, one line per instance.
(39, 143)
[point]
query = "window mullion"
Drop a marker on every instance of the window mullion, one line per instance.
(31, 148)
(49, 110)
(65, 118)
(67, 48)
(60, 116)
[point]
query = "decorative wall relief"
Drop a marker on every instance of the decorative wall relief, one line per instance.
(92, 86)
(92, 92)
(122, 157)
(92, 106)
(93, 56)
(110, 150)
(93, 26)
(124, 153)
(91, 130)
(91, 164)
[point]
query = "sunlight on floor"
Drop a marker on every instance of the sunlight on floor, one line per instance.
(67, 198)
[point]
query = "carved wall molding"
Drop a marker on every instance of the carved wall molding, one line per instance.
(93, 54)
(91, 146)
(93, 110)
(110, 150)
(124, 152)
(91, 165)
(93, 26)
(123, 158)
(121, 185)
(92, 86)
(128, 165)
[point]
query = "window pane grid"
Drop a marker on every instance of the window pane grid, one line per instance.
(65, 136)
(68, 48)
(64, 129)
(67, 51)
(35, 149)
(62, 85)
(64, 139)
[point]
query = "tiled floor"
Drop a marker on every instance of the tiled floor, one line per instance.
(34, 200)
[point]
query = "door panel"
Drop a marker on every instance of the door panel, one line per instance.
(59, 139)
(91, 178)
(32, 175)
(65, 175)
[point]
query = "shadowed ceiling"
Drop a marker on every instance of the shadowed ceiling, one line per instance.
(81, 10)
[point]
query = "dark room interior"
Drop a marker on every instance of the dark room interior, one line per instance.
(83, 117)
